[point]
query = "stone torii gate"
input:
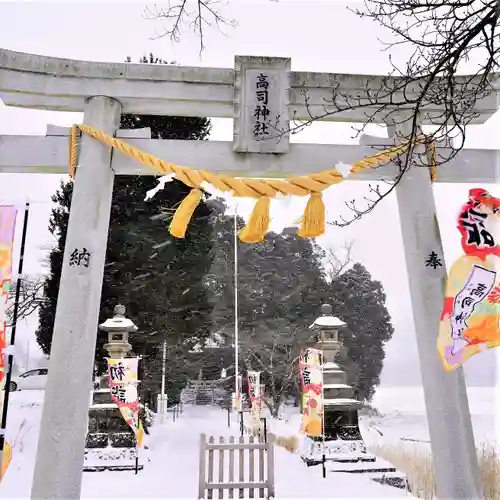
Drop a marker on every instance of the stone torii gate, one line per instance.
(102, 91)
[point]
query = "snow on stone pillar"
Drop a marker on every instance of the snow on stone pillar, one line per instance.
(448, 414)
(60, 453)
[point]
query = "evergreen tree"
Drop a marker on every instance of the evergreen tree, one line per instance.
(160, 279)
(359, 301)
(282, 285)
(281, 288)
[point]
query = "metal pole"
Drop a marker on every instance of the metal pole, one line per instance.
(497, 399)
(27, 362)
(10, 359)
(264, 421)
(136, 457)
(228, 416)
(236, 332)
(323, 411)
(163, 372)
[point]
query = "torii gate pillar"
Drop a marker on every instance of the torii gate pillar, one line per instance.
(448, 415)
(61, 445)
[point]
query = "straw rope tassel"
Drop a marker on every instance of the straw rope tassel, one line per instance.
(313, 222)
(184, 212)
(73, 151)
(258, 223)
(432, 157)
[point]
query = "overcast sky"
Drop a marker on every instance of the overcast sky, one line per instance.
(318, 36)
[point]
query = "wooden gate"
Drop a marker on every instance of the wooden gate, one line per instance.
(252, 461)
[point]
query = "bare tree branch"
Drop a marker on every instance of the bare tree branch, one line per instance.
(444, 36)
(336, 265)
(30, 297)
(274, 349)
(181, 16)
(445, 39)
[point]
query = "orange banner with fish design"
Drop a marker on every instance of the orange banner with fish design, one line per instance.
(311, 377)
(471, 312)
(8, 216)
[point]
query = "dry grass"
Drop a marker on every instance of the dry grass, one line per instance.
(417, 465)
(290, 443)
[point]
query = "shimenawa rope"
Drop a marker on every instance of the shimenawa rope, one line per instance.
(313, 221)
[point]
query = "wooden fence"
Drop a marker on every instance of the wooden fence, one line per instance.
(232, 455)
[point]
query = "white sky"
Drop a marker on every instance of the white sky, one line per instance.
(318, 36)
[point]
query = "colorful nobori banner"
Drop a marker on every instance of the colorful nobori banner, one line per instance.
(240, 388)
(471, 313)
(237, 395)
(254, 395)
(7, 457)
(122, 375)
(8, 216)
(253, 385)
(311, 378)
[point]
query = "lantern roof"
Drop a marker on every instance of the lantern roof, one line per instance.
(327, 319)
(118, 322)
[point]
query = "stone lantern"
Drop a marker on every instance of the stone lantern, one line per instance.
(118, 327)
(343, 444)
(110, 442)
(328, 328)
(341, 410)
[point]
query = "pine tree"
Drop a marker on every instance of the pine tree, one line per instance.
(282, 285)
(359, 301)
(281, 288)
(160, 279)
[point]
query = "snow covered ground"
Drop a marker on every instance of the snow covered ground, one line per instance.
(172, 470)
(403, 415)
(403, 418)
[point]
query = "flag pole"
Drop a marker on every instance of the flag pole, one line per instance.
(163, 406)
(323, 412)
(10, 361)
(236, 319)
(136, 454)
(139, 423)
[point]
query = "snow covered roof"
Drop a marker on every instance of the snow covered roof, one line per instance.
(331, 321)
(342, 402)
(337, 386)
(118, 324)
(331, 366)
(103, 406)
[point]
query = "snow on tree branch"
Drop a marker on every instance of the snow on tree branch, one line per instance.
(30, 297)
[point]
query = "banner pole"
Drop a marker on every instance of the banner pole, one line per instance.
(10, 360)
(236, 316)
(323, 413)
